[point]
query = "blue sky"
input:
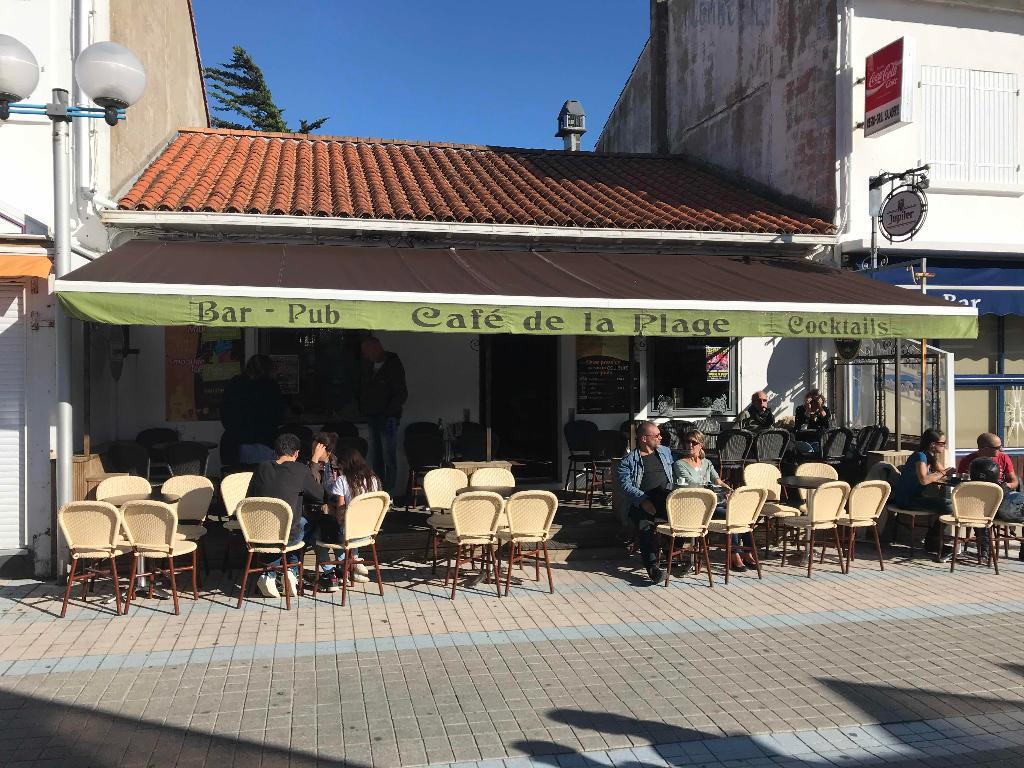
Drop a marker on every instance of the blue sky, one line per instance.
(438, 70)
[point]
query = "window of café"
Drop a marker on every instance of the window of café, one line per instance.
(695, 375)
(318, 370)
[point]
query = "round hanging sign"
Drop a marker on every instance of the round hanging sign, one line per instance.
(903, 213)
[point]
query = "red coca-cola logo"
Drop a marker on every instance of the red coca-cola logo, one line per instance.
(886, 77)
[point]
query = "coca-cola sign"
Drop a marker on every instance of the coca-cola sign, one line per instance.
(888, 96)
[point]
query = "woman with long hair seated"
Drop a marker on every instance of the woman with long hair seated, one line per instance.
(695, 470)
(353, 477)
(924, 468)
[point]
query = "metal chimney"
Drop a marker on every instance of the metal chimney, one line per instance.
(572, 124)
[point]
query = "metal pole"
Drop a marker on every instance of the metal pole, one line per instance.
(924, 350)
(62, 265)
(899, 395)
(874, 242)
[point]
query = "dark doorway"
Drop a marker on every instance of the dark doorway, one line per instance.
(522, 372)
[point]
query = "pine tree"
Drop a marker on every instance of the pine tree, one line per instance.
(239, 88)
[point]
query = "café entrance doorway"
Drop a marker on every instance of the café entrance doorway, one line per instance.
(519, 396)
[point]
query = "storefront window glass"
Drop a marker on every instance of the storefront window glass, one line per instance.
(1013, 340)
(1013, 417)
(690, 374)
(975, 413)
(318, 371)
(977, 356)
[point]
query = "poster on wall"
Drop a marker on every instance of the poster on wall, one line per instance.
(889, 87)
(602, 369)
(198, 363)
(287, 369)
(717, 363)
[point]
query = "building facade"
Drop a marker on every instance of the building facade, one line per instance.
(162, 36)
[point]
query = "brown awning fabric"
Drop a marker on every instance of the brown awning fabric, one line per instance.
(163, 283)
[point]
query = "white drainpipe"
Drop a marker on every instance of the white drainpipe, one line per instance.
(82, 12)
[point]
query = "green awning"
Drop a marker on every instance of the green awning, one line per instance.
(450, 291)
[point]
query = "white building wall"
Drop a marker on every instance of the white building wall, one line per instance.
(966, 217)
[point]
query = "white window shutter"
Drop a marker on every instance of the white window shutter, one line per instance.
(945, 96)
(994, 127)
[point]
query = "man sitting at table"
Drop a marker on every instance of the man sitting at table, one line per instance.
(757, 415)
(645, 479)
(286, 479)
(991, 447)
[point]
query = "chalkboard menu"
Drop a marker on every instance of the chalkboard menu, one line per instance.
(602, 371)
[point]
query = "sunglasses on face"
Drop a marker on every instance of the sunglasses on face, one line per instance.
(693, 442)
(940, 443)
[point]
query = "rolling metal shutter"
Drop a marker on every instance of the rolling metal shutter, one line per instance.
(12, 417)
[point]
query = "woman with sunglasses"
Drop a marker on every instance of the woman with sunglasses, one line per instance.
(694, 470)
(925, 467)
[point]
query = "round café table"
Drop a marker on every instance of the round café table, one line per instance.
(502, 490)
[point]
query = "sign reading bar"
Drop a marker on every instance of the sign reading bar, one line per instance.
(164, 309)
(888, 88)
(602, 368)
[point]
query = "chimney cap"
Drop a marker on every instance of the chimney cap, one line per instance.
(571, 119)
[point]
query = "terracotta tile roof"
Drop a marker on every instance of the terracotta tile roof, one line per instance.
(226, 171)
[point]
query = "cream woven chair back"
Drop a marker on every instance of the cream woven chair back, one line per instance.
(265, 521)
(233, 489)
(744, 505)
(89, 525)
(867, 499)
(816, 469)
(493, 476)
(122, 486)
(196, 494)
(475, 514)
(690, 509)
(761, 475)
(440, 486)
(977, 500)
(828, 501)
(530, 513)
(150, 526)
(364, 515)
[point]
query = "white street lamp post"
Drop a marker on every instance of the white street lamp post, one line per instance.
(113, 78)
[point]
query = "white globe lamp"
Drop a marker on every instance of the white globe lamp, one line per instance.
(19, 72)
(110, 75)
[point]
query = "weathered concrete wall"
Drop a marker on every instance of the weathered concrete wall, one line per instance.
(751, 89)
(629, 126)
(160, 34)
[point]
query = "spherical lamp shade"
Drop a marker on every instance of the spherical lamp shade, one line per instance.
(110, 75)
(19, 71)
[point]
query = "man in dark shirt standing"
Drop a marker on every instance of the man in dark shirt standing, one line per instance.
(382, 393)
(286, 479)
(758, 415)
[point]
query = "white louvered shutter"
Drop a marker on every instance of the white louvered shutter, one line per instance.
(12, 417)
(970, 131)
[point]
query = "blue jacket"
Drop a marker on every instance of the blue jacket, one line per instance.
(631, 473)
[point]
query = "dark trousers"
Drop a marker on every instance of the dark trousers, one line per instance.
(647, 526)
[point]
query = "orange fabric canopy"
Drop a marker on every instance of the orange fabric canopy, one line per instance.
(24, 266)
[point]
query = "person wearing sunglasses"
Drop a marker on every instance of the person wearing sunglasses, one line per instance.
(990, 449)
(757, 415)
(645, 479)
(694, 470)
(925, 467)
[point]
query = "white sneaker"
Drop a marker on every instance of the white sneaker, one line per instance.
(359, 578)
(360, 569)
(267, 585)
(293, 583)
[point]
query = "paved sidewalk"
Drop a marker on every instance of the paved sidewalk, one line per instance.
(913, 666)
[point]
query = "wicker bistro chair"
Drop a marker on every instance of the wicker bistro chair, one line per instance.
(689, 512)
(122, 485)
(741, 514)
(440, 487)
(151, 527)
(196, 493)
(578, 435)
(529, 515)
(823, 510)
(186, 458)
(863, 509)
(92, 530)
(126, 456)
(606, 445)
(364, 516)
(770, 445)
(814, 469)
(475, 517)
(233, 489)
(975, 504)
(763, 475)
(492, 477)
(423, 443)
(266, 525)
(734, 446)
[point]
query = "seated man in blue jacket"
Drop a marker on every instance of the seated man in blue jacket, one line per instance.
(645, 479)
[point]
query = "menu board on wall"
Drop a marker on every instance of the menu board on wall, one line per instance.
(198, 363)
(602, 371)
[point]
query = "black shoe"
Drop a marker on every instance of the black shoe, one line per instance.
(654, 573)
(687, 566)
(738, 568)
(1020, 555)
